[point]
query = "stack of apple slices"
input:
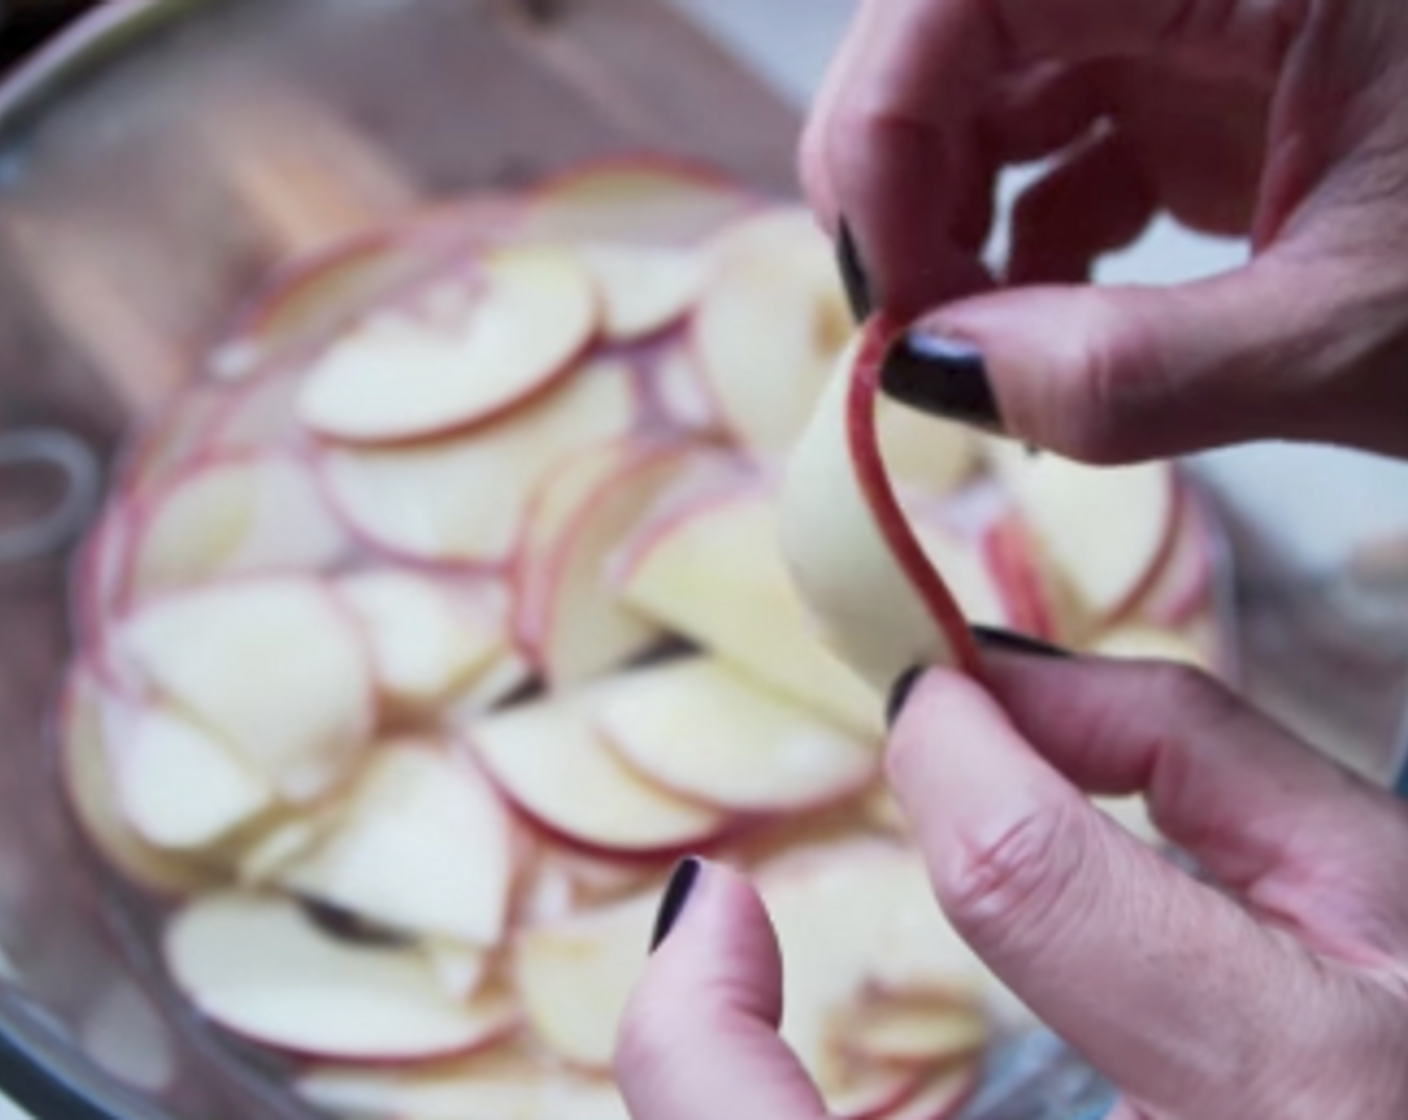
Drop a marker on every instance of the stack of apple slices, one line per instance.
(421, 638)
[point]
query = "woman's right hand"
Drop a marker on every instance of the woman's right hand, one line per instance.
(1282, 120)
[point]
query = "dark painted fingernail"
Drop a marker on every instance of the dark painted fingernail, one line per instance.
(853, 274)
(942, 377)
(900, 693)
(1009, 641)
(672, 903)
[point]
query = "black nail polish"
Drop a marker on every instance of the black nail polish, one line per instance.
(853, 274)
(672, 903)
(942, 377)
(900, 693)
(1009, 641)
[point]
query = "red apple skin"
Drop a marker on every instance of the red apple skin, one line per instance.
(863, 437)
(1008, 552)
(1184, 582)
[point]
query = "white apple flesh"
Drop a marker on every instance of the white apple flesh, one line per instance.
(548, 759)
(643, 289)
(714, 573)
(423, 845)
(703, 731)
(462, 499)
(576, 975)
(275, 666)
(875, 597)
(259, 967)
(509, 336)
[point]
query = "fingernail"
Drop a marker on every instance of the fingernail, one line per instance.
(672, 903)
(853, 274)
(1009, 641)
(900, 693)
(942, 377)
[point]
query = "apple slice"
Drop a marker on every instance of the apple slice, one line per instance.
(90, 781)
(643, 288)
(181, 788)
(635, 200)
(509, 676)
(929, 456)
(1150, 643)
(261, 417)
(428, 639)
(423, 845)
(967, 572)
(576, 975)
(1184, 583)
(698, 729)
(875, 597)
(499, 342)
(500, 1084)
(258, 966)
(549, 761)
(463, 499)
(1030, 606)
(942, 1098)
(581, 630)
(1099, 533)
(769, 326)
(170, 441)
(714, 573)
(918, 1031)
(273, 665)
(233, 516)
(461, 969)
(681, 396)
(1131, 813)
(264, 859)
(883, 931)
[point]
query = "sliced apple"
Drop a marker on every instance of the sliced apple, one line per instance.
(923, 1031)
(262, 861)
(273, 665)
(582, 630)
(701, 730)
(643, 288)
(509, 676)
(428, 638)
(882, 926)
(507, 337)
(463, 499)
(548, 759)
(424, 845)
(501, 1084)
(1028, 603)
(576, 975)
(714, 573)
(875, 598)
(941, 1098)
(1184, 583)
(1150, 643)
(769, 326)
(90, 780)
(930, 456)
(233, 516)
(461, 969)
(261, 417)
(171, 440)
(181, 788)
(257, 966)
(643, 201)
(1099, 532)
(1131, 814)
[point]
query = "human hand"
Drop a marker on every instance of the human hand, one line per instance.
(1280, 991)
(1283, 120)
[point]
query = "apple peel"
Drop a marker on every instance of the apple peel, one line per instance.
(876, 600)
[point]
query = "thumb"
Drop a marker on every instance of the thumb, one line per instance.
(1114, 374)
(699, 1038)
(1152, 976)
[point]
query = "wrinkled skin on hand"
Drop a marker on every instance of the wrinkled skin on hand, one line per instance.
(1282, 120)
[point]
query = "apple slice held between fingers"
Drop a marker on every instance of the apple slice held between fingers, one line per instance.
(705, 732)
(259, 966)
(275, 666)
(549, 760)
(505, 336)
(876, 598)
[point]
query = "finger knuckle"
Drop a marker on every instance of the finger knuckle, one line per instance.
(1011, 878)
